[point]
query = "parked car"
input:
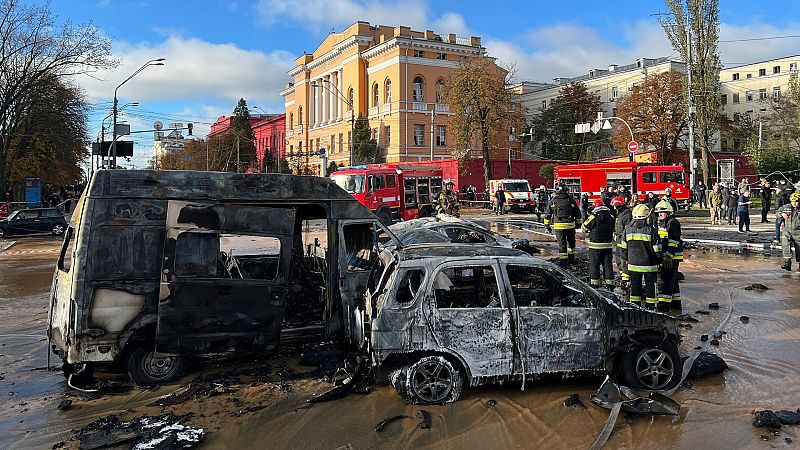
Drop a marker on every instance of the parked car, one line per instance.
(441, 229)
(33, 221)
(444, 316)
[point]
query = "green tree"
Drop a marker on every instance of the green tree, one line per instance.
(547, 172)
(332, 167)
(240, 127)
(702, 17)
(38, 53)
(365, 149)
(554, 126)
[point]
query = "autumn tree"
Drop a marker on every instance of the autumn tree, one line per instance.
(37, 53)
(554, 126)
(484, 107)
(702, 18)
(365, 149)
(656, 114)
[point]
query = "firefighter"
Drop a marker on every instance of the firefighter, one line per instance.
(641, 249)
(668, 197)
(541, 201)
(600, 226)
(448, 201)
(623, 220)
(562, 215)
(669, 231)
(790, 231)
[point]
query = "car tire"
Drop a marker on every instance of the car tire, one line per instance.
(145, 369)
(385, 216)
(432, 380)
(2, 233)
(57, 229)
(653, 365)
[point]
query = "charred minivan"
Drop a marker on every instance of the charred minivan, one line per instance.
(159, 266)
(445, 316)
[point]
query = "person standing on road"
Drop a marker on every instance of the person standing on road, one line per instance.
(702, 198)
(766, 199)
(669, 198)
(563, 214)
(743, 209)
(725, 191)
(600, 226)
(541, 201)
(781, 198)
(624, 219)
(500, 199)
(448, 201)
(584, 205)
(790, 231)
(669, 231)
(641, 248)
(732, 204)
(744, 185)
(715, 205)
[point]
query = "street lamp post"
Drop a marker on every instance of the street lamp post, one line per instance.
(152, 62)
(352, 115)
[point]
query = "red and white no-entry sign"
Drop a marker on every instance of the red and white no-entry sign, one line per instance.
(633, 146)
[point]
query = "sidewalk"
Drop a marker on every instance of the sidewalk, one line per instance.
(698, 226)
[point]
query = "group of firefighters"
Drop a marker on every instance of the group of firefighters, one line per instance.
(647, 243)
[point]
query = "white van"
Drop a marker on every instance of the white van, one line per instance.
(519, 197)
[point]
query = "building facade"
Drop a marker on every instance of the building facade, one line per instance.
(269, 133)
(392, 76)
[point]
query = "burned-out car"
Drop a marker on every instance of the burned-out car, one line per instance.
(444, 228)
(159, 267)
(446, 316)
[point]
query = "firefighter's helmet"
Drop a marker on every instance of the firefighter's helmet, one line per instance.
(597, 203)
(563, 188)
(542, 188)
(617, 201)
(794, 197)
(664, 206)
(641, 211)
(668, 191)
(449, 182)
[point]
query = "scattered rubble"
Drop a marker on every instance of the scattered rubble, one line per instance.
(706, 364)
(756, 287)
(382, 424)
(574, 400)
(157, 432)
(788, 417)
(491, 402)
(744, 319)
(703, 312)
(713, 305)
(767, 419)
(715, 342)
(703, 337)
(64, 405)
(686, 318)
(425, 420)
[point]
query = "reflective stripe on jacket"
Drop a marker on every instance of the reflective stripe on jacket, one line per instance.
(669, 231)
(641, 247)
(600, 226)
(562, 213)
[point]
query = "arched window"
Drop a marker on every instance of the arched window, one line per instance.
(291, 121)
(417, 89)
(375, 94)
(388, 93)
(350, 99)
(300, 116)
(439, 89)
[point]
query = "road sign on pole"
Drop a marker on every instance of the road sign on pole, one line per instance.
(633, 146)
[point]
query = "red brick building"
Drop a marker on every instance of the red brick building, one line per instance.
(269, 131)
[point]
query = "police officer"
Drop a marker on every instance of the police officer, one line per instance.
(448, 201)
(563, 214)
(790, 231)
(600, 226)
(641, 249)
(669, 231)
(623, 219)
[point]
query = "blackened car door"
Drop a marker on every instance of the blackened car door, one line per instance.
(224, 277)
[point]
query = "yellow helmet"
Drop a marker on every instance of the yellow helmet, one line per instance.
(640, 211)
(794, 197)
(664, 206)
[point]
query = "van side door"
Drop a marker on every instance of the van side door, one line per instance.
(224, 277)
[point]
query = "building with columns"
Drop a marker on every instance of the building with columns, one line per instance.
(391, 75)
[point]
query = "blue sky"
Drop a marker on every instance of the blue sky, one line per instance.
(218, 51)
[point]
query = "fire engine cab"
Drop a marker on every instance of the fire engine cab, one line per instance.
(638, 178)
(393, 191)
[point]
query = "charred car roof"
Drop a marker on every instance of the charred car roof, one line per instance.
(458, 250)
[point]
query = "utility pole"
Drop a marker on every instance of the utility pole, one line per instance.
(206, 156)
(760, 130)
(692, 170)
(238, 163)
(433, 126)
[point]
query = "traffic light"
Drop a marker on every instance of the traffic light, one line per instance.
(190, 126)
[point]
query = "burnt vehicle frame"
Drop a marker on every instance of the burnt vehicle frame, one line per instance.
(158, 267)
(443, 228)
(510, 316)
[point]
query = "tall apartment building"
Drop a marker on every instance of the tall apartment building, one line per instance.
(393, 76)
(747, 89)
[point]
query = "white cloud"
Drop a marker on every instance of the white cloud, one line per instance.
(737, 53)
(451, 22)
(194, 69)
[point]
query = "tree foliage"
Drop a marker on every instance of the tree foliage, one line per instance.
(547, 172)
(243, 136)
(484, 107)
(37, 51)
(365, 149)
(702, 17)
(656, 114)
(554, 126)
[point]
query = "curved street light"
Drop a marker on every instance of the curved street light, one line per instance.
(152, 62)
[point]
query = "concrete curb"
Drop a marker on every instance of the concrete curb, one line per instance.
(5, 245)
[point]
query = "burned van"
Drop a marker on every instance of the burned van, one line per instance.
(160, 266)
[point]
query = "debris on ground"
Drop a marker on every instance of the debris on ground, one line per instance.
(354, 375)
(64, 405)
(788, 417)
(380, 426)
(703, 337)
(706, 364)
(714, 342)
(686, 318)
(767, 419)
(574, 400)
(703, 312)
(425, 420)
(649, 403)
(713, 305)
(491, 402)
(156, 432)
(756, 287)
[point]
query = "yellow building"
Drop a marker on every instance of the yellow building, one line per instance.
(391, 75)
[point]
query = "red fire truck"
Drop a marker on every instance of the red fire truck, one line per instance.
(393, 191)
(639, 178)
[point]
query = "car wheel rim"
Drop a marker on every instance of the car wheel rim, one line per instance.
(159, 367)
(654, 368)
(58, 229)
(432, 381)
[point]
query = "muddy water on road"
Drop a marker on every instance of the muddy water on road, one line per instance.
(716, 411)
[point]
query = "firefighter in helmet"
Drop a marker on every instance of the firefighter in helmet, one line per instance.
(600, 226)
(448, 201)
(640, 247)
(790, 231)
(669, 231)
(562, 215)
(623, 219)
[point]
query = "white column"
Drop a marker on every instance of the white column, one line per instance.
(320, 100)
(328, 99)
(317, 100)
(342, 94)
(310, 120)
(334, 96)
